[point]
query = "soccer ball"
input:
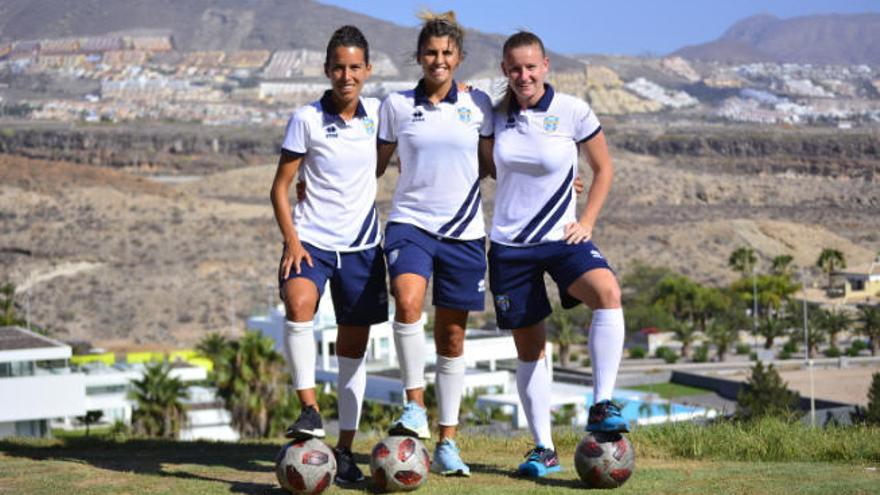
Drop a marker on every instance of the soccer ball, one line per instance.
(305, 466)
(604, 460)
(399, 464)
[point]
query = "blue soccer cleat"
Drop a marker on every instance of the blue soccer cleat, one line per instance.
(605, 417)
(412, 423)
(447, 460)
(539, 462)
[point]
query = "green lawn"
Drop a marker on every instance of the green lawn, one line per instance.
(105, 466)
(670, 390)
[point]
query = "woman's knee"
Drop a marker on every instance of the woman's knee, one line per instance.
(408, 305)
(608, 296)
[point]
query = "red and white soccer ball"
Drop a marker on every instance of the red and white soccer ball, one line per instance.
(604, 460)
(305, 466)
(399, 464)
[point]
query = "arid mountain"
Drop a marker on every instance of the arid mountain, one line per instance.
(232, 25)
(820, 39)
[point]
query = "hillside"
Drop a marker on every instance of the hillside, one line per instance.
(819, 39)
(121, 261)
(232, 25)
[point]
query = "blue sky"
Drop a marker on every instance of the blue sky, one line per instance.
(631, 27)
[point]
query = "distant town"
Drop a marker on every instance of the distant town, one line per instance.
(135, 78)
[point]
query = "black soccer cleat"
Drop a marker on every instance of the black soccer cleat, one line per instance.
(347, 471)
(307, 425)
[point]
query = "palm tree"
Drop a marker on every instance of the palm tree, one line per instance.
(564, 333)
(833, 321)
(869, 325)
(252, 380)
(742, 260)
(770, 328)
(213, 346)
(794, 317)
(829, 261)
(723, 332)
(159, 411)
(678, 295)
(781, 265)
(8, 316)
(685, 332)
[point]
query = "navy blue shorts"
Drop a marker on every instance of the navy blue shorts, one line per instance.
(357, 283)
(459, 267)
(516, 276)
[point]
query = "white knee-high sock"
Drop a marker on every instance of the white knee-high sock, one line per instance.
(351, 384)
(450, 385)
(533, 385)
(301, 351)
(409, 341)
(606, 349)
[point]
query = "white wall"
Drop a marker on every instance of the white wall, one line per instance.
(40, 397)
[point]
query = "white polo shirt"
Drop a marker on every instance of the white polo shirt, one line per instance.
(339, 167)
(536, 159)
(439, 185)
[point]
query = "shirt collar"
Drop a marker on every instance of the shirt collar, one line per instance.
(329, 107)
(421, 97)
(543, 104)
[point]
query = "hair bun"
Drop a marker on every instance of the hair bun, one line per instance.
(427, 16)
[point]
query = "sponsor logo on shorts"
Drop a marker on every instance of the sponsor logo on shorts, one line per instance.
(369, 125)
(392, 256)
(502, 302)
(596, 254)
(464, 114)
(383, 297)
(481, 286)
(551, 123)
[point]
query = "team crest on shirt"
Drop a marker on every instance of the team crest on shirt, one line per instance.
(551, 123)
(502, 302)
(331, 131)
(511, 123)
(418, 116)
(464, 114)
(369, 125)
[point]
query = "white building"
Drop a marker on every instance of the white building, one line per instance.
(36, 383)
(48, 393)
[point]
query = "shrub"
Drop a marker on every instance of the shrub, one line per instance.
(586, 362)
(701, 354)
(790, 347)
(831, 352)
(873, 410)
(765, 394)
(666, 354)
(856, 347)
(637, 352)
(743, 349)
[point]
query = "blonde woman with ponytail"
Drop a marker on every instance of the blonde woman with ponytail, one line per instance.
(435, 228)
(536, 230)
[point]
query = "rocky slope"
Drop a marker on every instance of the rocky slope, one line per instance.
(121, 260)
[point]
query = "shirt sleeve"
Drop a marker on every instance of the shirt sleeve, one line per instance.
(586, 124)
(387, 121)
(296, 138)
(482, 100)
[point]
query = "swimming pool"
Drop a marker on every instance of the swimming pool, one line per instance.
(643, 408)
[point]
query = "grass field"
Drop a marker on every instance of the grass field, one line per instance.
(840, 462)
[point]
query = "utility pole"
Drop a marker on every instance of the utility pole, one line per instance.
(806, 329)
(754, 309)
